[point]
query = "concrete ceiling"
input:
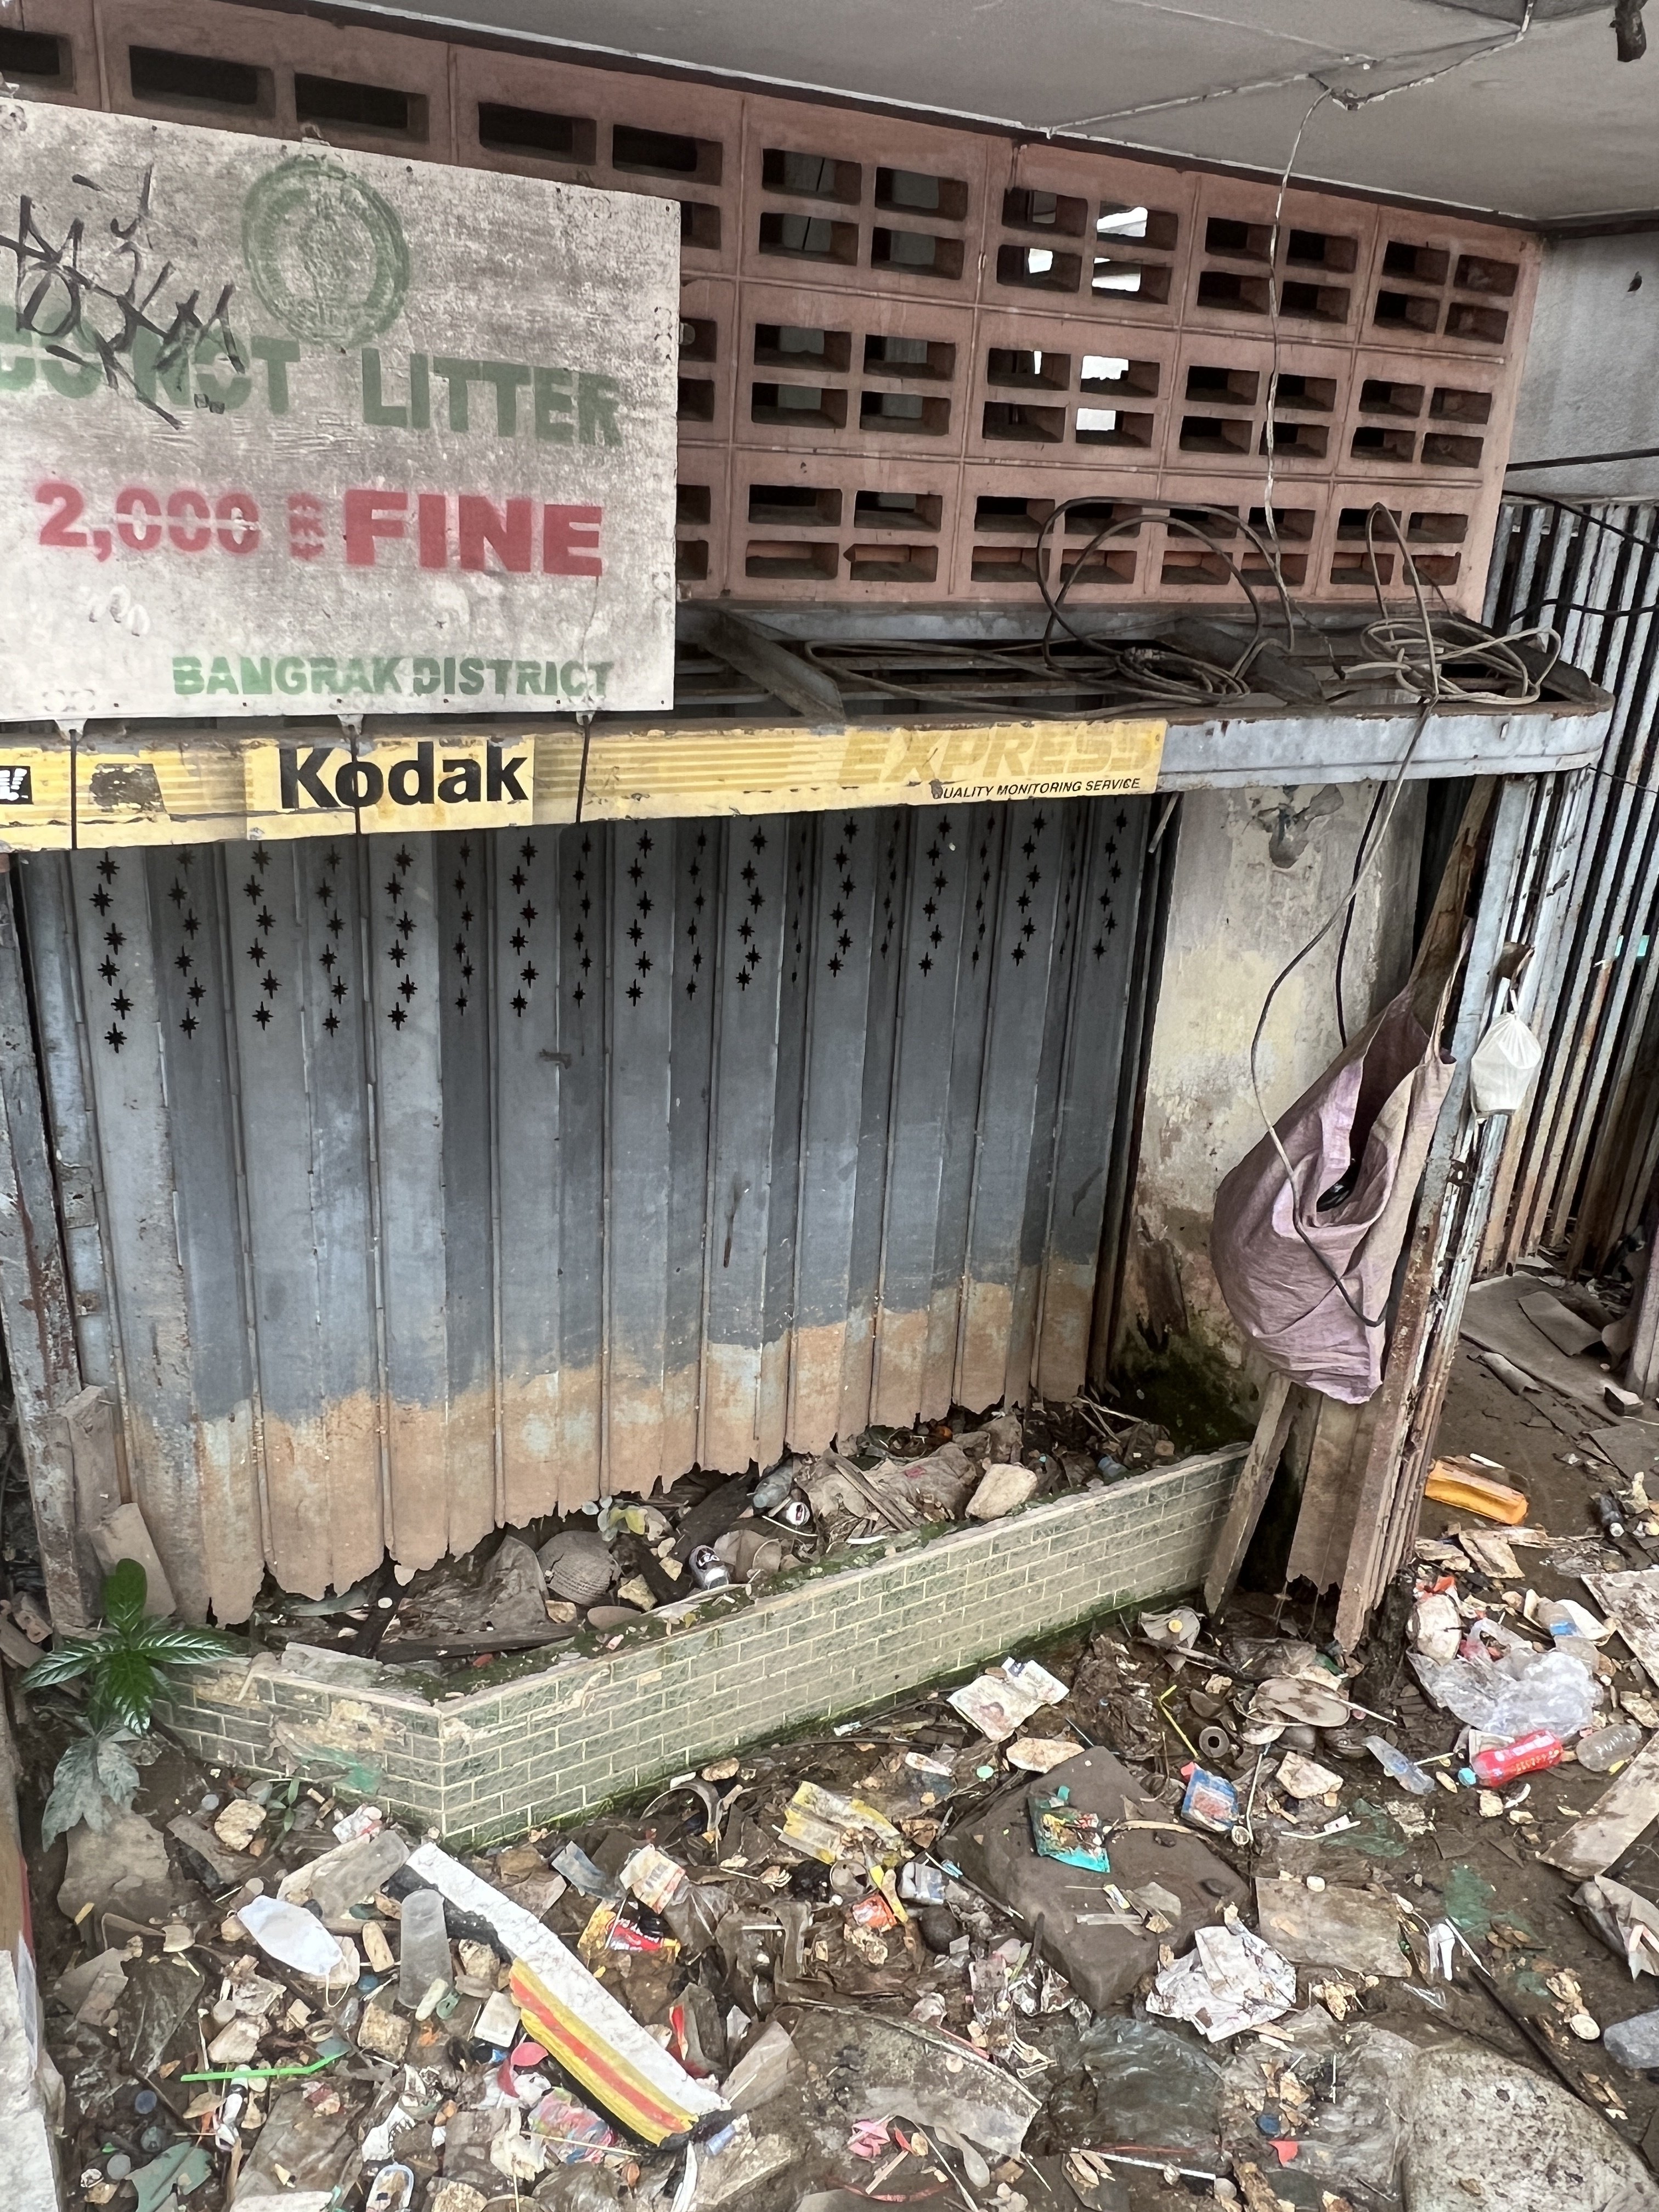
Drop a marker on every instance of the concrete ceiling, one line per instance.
(1549, 129)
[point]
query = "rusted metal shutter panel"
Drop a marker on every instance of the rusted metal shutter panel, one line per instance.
(447, 1181)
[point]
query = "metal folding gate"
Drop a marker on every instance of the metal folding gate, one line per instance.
(1578, 1161)
(413, 1188)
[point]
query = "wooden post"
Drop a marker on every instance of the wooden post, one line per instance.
(1394, 1463)
(34, 1302)
(1255, 1480)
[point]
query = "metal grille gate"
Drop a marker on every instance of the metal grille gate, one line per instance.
(1578, 1161)
(414, 1187)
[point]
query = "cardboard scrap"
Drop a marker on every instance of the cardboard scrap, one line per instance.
(1630, 1600)
(1351, 1928)
(1567, 1331)
(1613, 1824)
(1633, 1446)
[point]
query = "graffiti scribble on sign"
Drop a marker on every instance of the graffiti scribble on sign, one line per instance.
(104, 301)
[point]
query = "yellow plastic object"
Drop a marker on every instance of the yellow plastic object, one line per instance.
(1459, 1482)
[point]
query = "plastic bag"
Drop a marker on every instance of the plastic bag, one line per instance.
(1152, 2085)
(1505, 1061)
(1552, 1690)
(1350, 2141)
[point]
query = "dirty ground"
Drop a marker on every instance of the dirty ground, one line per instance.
(1170, 1908)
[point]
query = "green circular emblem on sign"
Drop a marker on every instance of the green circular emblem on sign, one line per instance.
(326, 254)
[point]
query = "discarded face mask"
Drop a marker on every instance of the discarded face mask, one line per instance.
(1175, 1630)
(1286, 1699)
(1038, 1755)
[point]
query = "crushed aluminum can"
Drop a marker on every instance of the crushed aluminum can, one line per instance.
(708, 1572)
(793, 1513)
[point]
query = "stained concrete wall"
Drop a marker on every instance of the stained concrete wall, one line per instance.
(1588, 386)
(1235, 919)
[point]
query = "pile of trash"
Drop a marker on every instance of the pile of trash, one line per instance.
(1174, 1903)
(601, 1569)
(960, 1952)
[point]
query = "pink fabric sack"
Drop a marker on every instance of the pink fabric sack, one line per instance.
(1309, 1285)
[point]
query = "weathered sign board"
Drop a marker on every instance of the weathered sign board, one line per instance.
(286, 431)
(128, 786)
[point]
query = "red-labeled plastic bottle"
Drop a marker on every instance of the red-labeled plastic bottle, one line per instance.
(1538, 1748)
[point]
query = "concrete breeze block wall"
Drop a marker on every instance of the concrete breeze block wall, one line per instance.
(587, 1729)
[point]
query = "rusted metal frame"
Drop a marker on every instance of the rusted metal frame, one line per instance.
(1477, 1148)
(66, 1084)
(362, 861)
(1605, 1213)
(1454, 1267)
(34, 1298)
(218, 860)
(1642, 1374)
(1635, 1139)
(710, 1202)
(1419, 1294)
(1530, 1175)
(497, 1192)
(1642, 1140)
(1514, 521)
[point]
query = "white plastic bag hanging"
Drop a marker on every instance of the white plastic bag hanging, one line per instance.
(1506, 1061)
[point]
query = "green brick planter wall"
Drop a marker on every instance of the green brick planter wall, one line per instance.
(584, 1730)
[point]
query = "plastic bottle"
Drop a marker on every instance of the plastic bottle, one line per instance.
(1395, 1765)
(1604, 1748)
(424, 1948)
(1538, 1748)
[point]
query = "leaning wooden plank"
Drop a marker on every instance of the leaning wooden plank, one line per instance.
(1613, 1822)
(1250, 1492)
